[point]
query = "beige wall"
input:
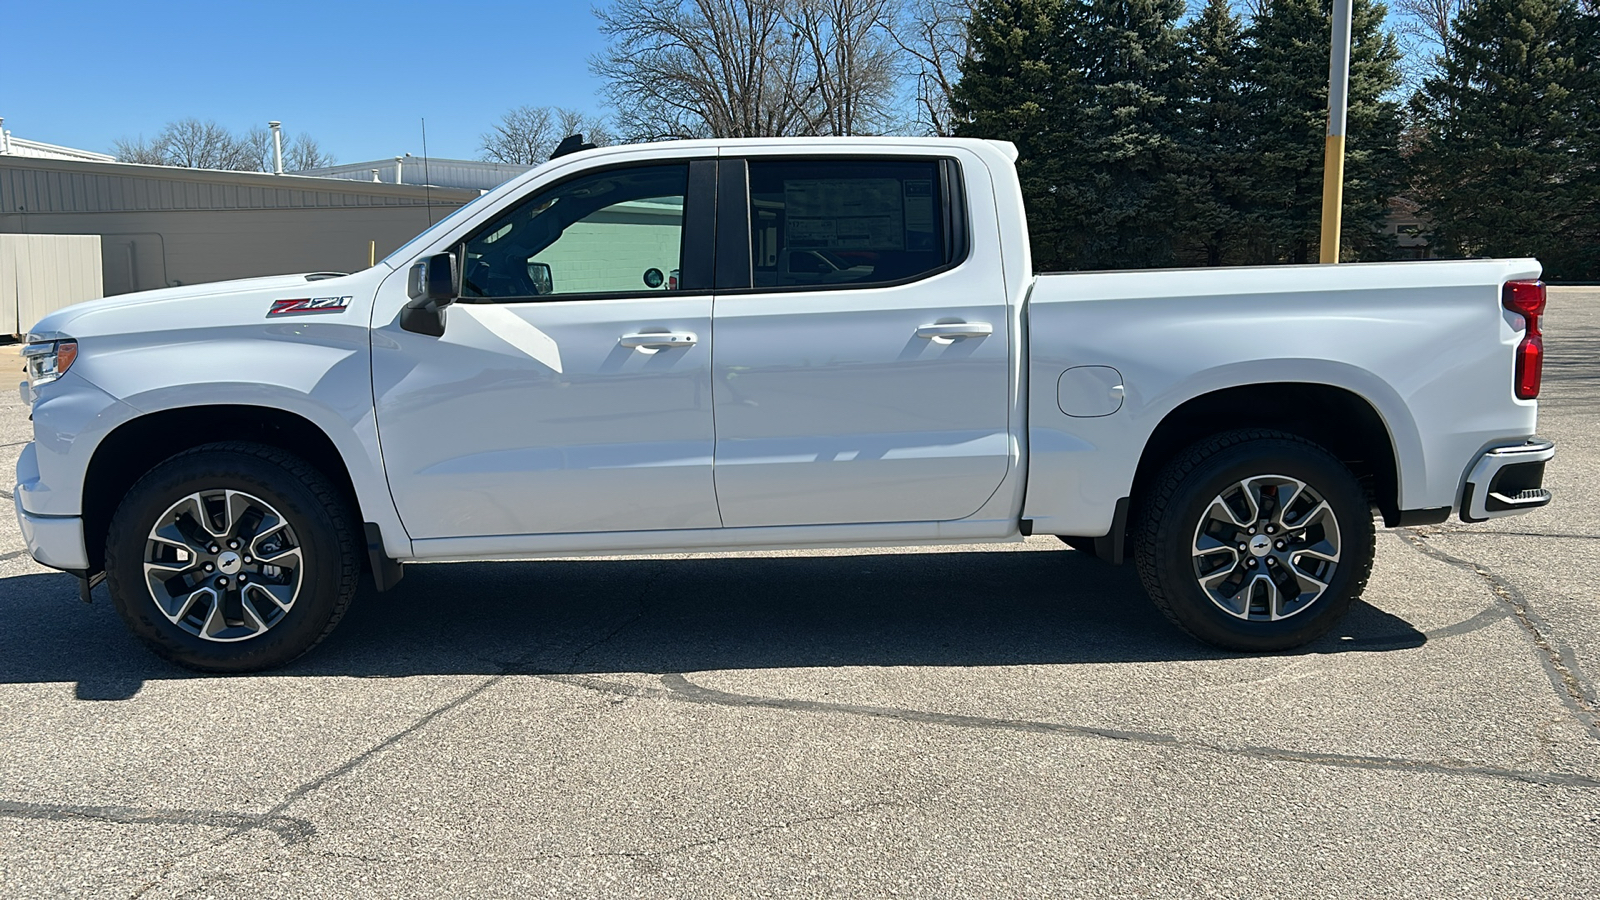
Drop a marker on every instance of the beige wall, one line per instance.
(142, 250)
(40, 273)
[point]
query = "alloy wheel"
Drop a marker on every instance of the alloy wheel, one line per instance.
(1266, 548)
(223, 565)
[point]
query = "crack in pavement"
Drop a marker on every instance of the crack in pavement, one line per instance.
(276, 812)
(676, 687)
(247, 824)
(676, 849)
(290, 830)
(729, 838)
(1533, 534)
(625, 625)
(365, 755)
(1560, 663)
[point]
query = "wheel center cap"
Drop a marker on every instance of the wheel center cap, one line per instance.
(1260, 545)
(229, 563)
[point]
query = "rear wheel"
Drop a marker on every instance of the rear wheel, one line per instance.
(1255, 540)
(232, 558)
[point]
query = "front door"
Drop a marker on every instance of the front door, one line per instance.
(862, 369)
(571, 390)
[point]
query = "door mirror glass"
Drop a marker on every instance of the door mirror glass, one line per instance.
(539, 275)
(433, 280)
(432, 286)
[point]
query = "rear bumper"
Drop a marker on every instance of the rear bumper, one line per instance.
(1507, 481)
(54, 541)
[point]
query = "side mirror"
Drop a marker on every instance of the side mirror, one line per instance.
(539, 274)
(432, 286)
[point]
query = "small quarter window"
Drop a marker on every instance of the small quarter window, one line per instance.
(824, 223)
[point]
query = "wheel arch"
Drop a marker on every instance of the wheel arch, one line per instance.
(136, 446)
(1346, 423)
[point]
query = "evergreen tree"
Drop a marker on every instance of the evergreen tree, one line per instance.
(1212, 161)
(1115, 117)
(1507, 162)
(1084, 88)
(1288, 61)
(1004, 93)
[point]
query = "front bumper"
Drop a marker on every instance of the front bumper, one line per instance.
(1507, 481)
(54, 541)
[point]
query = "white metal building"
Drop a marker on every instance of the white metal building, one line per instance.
(15, 146)
(164, 226)
(466, 174)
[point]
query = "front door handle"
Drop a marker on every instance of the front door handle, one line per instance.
(658, 340)
(950, 330)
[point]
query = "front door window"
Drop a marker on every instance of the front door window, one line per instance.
(616, 232)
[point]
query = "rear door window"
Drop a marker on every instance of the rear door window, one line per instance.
(845, 223)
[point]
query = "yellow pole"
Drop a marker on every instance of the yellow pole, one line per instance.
(1332, 196)
(372, 253)
(1333, 148)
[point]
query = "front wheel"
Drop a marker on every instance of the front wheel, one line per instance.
(1255, 540)
(232, 558)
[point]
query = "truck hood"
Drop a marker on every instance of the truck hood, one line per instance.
(190, 301)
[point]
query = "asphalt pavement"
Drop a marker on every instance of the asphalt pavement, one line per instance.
(993, 721)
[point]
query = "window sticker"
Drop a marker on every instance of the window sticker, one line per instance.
(845, 213)
(919, 205)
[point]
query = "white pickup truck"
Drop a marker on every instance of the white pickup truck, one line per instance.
(712, 345)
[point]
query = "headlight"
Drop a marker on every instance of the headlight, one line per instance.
(48, 357)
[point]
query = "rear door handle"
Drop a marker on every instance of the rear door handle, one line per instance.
(950, 330)
(659, 340)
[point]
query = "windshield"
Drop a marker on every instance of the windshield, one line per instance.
(398, 257)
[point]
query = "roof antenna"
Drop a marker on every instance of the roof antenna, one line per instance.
(572, 143)
(427, 182)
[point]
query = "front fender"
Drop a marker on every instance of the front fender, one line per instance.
(320, 372)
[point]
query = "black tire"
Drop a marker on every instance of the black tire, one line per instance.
(1167, 530)
(317, 517)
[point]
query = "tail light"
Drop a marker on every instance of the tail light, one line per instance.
(1526, 299)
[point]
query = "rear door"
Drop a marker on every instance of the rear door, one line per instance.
(861, 360)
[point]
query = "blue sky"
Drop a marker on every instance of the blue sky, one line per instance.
(358, 76)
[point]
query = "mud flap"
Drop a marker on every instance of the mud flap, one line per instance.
(386, 573)
(87, 582)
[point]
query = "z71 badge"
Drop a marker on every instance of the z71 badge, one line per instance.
(307, 305)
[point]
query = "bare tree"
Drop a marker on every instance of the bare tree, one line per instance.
(194, 144)
(1250, 9)
(260, 141)
(300, 152)
(853, 61)
(933, 36)
(139, 150)
(1423, 27)
(528, 135)
(306, 153)
(745, 68)
(702, 68)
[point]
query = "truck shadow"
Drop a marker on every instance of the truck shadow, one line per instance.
(976, 608)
